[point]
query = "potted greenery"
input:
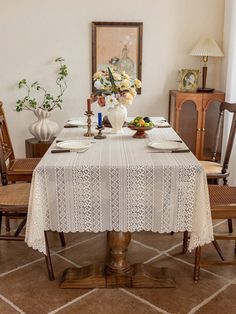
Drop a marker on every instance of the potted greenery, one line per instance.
(42, 103)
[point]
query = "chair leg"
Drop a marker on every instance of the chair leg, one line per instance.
(230, 225)
(62, 239)
(20, 227)
(197, 264)
(185, 242)
(0, 222)
(7, 224)
(218, 249)
(48, 259)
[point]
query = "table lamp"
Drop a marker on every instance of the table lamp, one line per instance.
(206, 47)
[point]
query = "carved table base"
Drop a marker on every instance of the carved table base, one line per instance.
(117, 273)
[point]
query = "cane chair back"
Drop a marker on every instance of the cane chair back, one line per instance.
(213, 168)
(16, 169)
(6, 153)
(223, 206)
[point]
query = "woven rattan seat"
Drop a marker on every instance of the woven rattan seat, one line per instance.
(222, 197)
(223, 206)
(26, 165)
(211, 167)
(14, 195)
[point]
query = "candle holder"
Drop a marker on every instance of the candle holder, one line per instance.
(89, 114)
(100, 136)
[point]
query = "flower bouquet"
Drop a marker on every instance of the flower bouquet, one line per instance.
(115, 90)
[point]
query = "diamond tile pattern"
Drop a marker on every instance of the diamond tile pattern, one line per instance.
(25, 288)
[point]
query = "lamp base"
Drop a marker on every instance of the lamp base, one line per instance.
(205, 90)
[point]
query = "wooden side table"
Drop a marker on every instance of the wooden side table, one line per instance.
(36, 149)
(194, 117)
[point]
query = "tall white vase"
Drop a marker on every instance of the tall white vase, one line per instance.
(117, 116)
(43, 129)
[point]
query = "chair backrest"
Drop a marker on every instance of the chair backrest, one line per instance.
(231, 108)
(3, 168)
(5, 140)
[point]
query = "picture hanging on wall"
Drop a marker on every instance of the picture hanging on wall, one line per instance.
(188, 80)
(117, 45)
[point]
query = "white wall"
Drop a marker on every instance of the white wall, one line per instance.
(229, 66)
(33, 33)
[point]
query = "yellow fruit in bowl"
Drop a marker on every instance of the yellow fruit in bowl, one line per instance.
(141, 122)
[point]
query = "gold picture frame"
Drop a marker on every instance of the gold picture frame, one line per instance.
(188, 80)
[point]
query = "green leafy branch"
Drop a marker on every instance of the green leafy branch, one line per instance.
(49, 101)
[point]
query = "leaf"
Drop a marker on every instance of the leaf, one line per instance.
(112, 80)
(59, 59)
(35, 83)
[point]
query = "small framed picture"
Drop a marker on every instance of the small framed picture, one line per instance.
(188, 80)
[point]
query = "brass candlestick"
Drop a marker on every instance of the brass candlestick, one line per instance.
(89, 114)
(100, 136)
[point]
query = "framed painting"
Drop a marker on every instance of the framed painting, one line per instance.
(188, 80)
(117, 45)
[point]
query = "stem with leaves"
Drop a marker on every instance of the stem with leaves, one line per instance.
(49, 102)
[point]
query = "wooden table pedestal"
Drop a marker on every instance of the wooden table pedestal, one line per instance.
(117, 273)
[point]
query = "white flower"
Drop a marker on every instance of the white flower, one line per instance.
(127, 99)
(111, 100)
(133, 92)
(127, 40)
(117, 76)
(137, 83)
(125, 84)
(118, 84)
(97, 75)
(125, 75)
(98, 85)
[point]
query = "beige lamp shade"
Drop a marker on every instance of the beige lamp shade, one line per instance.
(207, 47)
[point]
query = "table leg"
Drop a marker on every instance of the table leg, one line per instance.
(117, 272)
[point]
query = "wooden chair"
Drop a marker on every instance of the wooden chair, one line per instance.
(223, 206)
(14, 203)
(214, 169)
(16, 169)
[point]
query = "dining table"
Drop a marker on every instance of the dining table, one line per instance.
(119, 185)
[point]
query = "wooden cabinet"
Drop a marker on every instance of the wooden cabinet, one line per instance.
(194, 117)
(35, 148)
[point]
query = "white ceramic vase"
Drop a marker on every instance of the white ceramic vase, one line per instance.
(43, 129)
(117, 116)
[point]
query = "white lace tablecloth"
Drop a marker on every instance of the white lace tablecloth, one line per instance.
(117, 185)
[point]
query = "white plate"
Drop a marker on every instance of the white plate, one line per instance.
(80, 123)
(73, 122)
(171, 145)
(74, 145)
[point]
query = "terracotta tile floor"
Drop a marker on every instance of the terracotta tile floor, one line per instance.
(25, 288)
